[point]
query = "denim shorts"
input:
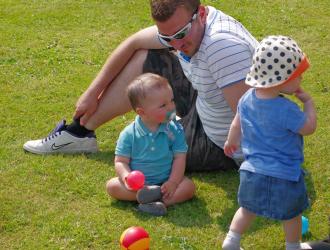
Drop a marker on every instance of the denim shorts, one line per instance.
(272, 197)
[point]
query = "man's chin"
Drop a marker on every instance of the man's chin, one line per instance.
(188, 52)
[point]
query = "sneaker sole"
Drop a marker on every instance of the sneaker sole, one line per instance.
(72, 151)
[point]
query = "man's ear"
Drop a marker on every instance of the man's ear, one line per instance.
(202, 12)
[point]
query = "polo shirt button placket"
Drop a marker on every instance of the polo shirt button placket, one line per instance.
(152, 148)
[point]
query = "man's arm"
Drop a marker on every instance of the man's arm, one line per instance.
(233, 93)
(143, 39)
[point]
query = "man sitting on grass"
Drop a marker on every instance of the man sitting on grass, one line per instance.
(205, 55)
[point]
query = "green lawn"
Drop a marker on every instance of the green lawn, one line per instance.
(49, 53)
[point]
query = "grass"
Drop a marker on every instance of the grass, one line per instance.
(49, 53)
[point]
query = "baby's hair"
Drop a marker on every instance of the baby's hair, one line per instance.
(139, 88)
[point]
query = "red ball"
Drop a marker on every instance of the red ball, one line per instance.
(135, 180)
(134, 238)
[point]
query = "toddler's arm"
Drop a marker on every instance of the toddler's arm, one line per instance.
(234, 137)
(122, 168)
(309, 109)
(176, 176)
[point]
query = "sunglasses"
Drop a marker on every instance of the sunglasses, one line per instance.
(181, 33)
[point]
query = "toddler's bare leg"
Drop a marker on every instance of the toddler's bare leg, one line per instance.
(292, 229)
(242, 220)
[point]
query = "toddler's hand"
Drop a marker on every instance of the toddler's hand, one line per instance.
(168, 189)
(229, 149)
(302, 95)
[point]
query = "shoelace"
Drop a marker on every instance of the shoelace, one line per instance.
(51, 136)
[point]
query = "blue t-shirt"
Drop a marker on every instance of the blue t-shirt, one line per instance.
(270, 141)
(152, 152)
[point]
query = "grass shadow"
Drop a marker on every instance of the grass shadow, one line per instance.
(106, 157)
(312, 197)
(192, 213)
(227, 183)
(188, 214)
(310, 188)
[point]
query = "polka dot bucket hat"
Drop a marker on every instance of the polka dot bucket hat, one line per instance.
(277, 60)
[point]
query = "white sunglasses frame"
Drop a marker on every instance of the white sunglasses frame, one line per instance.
(187, 27)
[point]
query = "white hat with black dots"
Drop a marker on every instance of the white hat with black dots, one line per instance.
(277, 60)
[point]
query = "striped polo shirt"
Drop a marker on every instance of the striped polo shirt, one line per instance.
(224, 58)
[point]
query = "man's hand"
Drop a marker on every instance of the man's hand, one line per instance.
(85, 107)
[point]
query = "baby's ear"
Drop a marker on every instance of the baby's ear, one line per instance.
(139, 111)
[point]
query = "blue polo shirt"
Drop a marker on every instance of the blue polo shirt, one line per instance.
(152, 152)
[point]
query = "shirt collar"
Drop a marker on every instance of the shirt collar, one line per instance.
(143, 130)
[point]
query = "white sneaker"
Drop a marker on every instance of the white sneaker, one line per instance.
(61, 141)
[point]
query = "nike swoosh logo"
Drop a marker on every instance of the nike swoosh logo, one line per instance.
(56, 147)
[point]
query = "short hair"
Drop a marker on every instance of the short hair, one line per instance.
(162, 10)
(139, 88)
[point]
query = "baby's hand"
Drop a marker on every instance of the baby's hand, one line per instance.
(302, 95)
(126, 185)
(229, 149)
(168, 189)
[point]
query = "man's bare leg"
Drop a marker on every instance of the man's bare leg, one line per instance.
(114, 101)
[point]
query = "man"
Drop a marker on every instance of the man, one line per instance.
(207, 68)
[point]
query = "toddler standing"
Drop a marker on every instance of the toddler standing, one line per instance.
(270, 129)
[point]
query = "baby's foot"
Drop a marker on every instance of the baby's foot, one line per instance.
(149, 194)
(154, 208)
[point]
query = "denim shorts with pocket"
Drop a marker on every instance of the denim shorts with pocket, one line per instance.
(272, 197)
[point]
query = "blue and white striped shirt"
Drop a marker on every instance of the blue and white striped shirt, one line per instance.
(224, 58)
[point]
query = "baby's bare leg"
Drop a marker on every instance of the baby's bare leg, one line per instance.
(116, 189)
(185, 191)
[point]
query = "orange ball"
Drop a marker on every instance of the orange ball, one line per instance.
(134, 238)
